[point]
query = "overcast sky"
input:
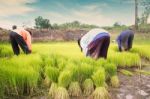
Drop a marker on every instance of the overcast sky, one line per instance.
(97, 12)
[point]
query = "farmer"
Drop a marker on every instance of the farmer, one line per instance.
(125, 40)
(22, 38)
(95, 43)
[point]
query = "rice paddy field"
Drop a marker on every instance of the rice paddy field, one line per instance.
(60, 71)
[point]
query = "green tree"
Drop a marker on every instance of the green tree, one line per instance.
(146, 13)
(41, 23)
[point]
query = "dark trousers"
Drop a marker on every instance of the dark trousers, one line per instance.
(16, 41)
(130, 41)
(99, 47)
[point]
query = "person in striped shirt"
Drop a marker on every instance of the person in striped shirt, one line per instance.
(22, 38)
(95, 43)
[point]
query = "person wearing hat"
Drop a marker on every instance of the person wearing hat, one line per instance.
(22, 38)
(95, 43)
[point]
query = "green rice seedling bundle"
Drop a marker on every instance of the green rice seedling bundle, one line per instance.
(64, 78)
(88, 87)
(52, 91)
(99, 81)
(101, 62)
(52, 73)
(21, 75)
(126, 72)
(74, 70)
(114, 81)
(62, 93)
(100, 93)
(5, 51)
(99, 77)
(52, 60)
(142, 50)
(110, 70)
(86, 71)
(124, 59)
(74, 89)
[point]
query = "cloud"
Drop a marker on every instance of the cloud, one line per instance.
(15, 7)
(90, 14)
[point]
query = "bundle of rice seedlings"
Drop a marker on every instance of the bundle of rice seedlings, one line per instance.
(110, 69)
(124, 59)
(74, 89)
(88, 87)
(86, 71)
(52, 91)
(5, 51)
(64, 78)
(99, 77)
(142, 51)
(126, 72)
(62, 93)
(74, 70)
(46, 82)
(115, 81)
(100, 93)
(52, 73)
(101, 62)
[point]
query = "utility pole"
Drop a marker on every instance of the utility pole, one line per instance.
(136, 14)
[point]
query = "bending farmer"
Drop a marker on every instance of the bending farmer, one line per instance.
(95, 43)
(22, 38)
(125, 40)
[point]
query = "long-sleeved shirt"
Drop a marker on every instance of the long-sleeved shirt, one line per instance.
(123, 38)
(26, 36)
(91, 36)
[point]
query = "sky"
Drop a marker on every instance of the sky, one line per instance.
(96, 12)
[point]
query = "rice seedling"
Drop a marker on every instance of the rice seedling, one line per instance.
(52, 73)
(142, 72)
(25, 72)
(74, 89)
(64, 78)
(46, 82)
(86, 71)
(5, 51)
(142, 51)
(114, 81)
(88, 87)
(110, 70)
(74, 70)
(99, 77)
(126, 72)
(62, 93)
(124, 59)
(100, 93)
(52, 91)
(21, 77)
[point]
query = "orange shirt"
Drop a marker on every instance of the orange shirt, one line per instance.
(26, 36)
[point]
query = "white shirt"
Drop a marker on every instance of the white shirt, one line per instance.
(88, 38)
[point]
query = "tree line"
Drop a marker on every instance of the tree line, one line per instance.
(42, 23)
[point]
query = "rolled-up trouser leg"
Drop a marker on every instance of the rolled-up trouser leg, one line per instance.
(104, 47)
(14, 43)
(19, 39)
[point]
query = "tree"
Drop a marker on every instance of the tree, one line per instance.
(117, 24)
(136, 14)
(41, 23)
(146, 13)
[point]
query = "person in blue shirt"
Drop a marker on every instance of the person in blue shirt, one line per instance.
(125, 40)
(95, 43)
